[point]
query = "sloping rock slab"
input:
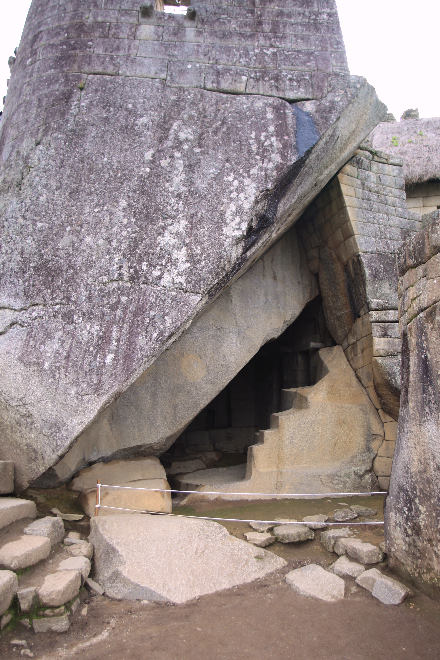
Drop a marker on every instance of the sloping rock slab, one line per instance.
(163, 558)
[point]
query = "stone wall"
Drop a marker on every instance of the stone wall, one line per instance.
(412, 524)
(291, 49)
(351, 234)
(423, 198)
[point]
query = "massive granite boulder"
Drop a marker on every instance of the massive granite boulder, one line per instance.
(133, 191)
(412, 512)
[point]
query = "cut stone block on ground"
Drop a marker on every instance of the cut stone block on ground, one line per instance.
(314, 581)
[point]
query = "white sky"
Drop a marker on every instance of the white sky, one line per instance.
(393, 43)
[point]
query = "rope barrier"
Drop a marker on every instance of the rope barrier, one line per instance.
(215, 492)
(266, 522)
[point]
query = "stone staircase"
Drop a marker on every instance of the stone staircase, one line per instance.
(41, 569)
(325, 438)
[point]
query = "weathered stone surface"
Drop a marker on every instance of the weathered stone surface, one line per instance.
(412, 529)
(60, 587)
(85, 319)
(368, 579)
(212, 479)
(335, 295)
(82, 549)
(316, 522)
(204, 359)
(53, 624)
(94, 586)
(6, 477)
(330, 536)
(340, 515)
(191, 465)
(389, 591)
(48, 526)
(81, 564)
(13, 509)
(346, 568)
(25, 551)
(133, 567)
(260, 539)
(26, 598)
(364, 553)
(8, 589)
(293, 533)
(315, 582)
(72, 538)
(118, 472)
(363, 511)
(142, 500)
(327, 434)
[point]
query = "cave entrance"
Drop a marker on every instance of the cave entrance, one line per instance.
(221, 433)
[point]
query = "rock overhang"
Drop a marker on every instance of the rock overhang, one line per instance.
(130, 207)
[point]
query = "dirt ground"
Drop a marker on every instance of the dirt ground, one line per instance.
(262, 620)
(258, 621)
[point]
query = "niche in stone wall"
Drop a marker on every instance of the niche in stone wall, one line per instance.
(226, 427)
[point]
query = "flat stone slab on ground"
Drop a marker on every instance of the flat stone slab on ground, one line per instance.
(25, 551)
(13, 509)
(293, 533)
(330, 536)
(341, 515)
(8, 589)
(314, 581)
(51, 624)
(172, 559)
(59, 587)
(50, 526)
(346, 568)
(316, 522)
(6, 477)
(364, 553)
(260, 539)
(81, 564)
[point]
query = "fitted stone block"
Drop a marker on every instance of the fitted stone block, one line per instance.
(13, 509)
(8, 589)
(59, 588)
(52, 527)
(25, 551)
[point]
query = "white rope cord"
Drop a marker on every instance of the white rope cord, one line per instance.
(214, 492)
(267, 522)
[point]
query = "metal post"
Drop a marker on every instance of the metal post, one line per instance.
(98, 497)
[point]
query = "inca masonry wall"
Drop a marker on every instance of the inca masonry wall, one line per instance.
(353, 231)
(291, 49)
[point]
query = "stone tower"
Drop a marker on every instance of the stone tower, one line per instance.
(147, 161)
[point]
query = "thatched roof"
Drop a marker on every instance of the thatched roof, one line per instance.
(416, 142)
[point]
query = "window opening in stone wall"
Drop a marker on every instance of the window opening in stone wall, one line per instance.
(173, 6)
